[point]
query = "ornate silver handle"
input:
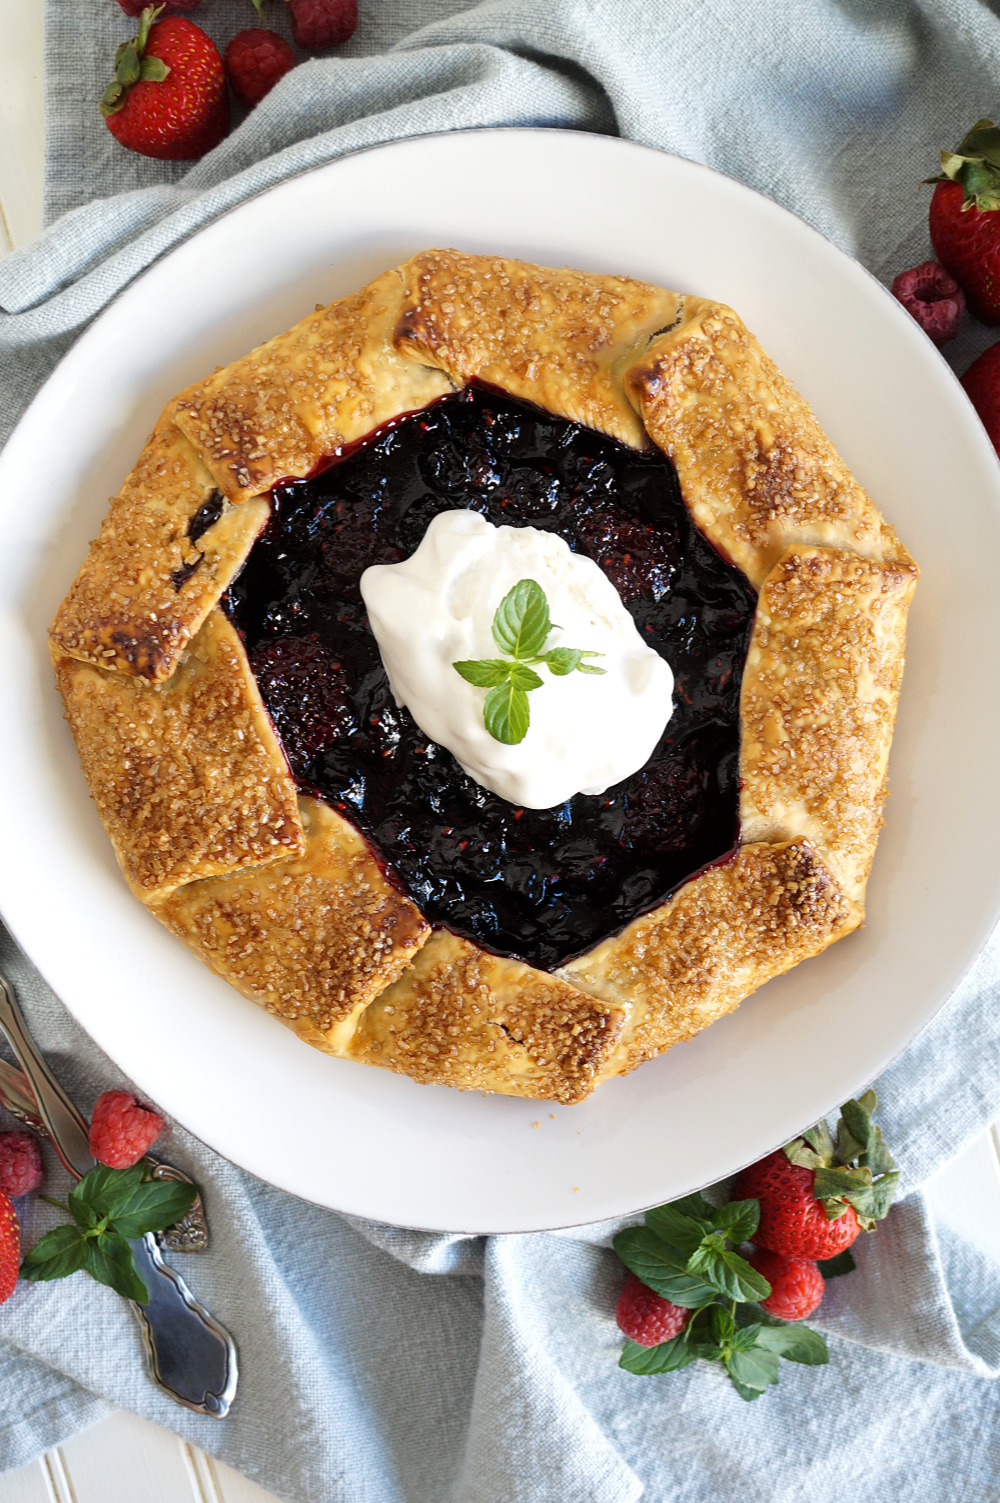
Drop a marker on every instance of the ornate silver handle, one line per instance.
(190, 1355)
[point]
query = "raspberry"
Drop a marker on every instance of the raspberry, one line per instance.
(797, 1285)
(323, 23)
(121, 1130)
(20, 1163)
(933, 297)
(646, 1317)
(254, 60)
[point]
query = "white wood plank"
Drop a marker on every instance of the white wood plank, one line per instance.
(22, 129)
(220, 1484)
(28, 1484)
(966, 1195)
(125, 1459)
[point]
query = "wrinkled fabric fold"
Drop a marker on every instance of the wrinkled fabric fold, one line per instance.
(381, 1365)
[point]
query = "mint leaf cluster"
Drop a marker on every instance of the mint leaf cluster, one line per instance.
(521, 627)
(110, 1208)
(687, 1252)
(855, 1170)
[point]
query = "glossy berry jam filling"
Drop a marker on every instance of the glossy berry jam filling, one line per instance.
(541, 885)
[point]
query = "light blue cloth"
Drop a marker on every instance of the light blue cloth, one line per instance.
(384, 1366)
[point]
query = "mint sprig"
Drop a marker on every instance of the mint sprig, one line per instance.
(521, 627)
(110, 1208)
(685, 1253)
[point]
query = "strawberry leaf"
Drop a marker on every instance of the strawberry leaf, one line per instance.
(667, 1357)
(60, 1252)
(877, 1157)
(840, 1182)
(873, 1201)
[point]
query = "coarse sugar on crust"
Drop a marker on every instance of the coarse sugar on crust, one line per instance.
(313, 937)
(187, 776)
(723, 934)
(756, 470)
(148, 582)
(460, 1017)
(560, 339)
(296, 399)
(818, 704)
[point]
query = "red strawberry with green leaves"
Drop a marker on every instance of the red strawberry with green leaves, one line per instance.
(168, 98)
(815, 1195)
(965, 218)
(10, 1246)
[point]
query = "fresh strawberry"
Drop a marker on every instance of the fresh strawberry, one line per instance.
(168, 98)
(816, 1195)
(169, 7)
(20, 1163)
(122, 1131)
(797, 1286)
(965, 218)
(323, 23)
(254, 60)
(10, 1246)
(982, 384)
(646, 1317)
(933, 297)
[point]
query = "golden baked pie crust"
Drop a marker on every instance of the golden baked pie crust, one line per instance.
(279, 894)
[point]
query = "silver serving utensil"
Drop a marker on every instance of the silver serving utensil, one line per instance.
(190, 1355)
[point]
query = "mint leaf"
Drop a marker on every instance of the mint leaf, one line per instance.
(506, 714)
(721, 1324)
(563, 660)
(524, 678)
(60, 1252)
(680, 1231)
(521, 623)
(104, 1189)
(744, 1392)
(755, 1369)
(668, 1357)
(663, 1269)
(834, 1268)
(745, 1338)
(697, 1206)
(485, 673)
(739, 1219)
(795, 1343)
(153, 1205)
(730, 1274)
(589, 668)
(109, 1261)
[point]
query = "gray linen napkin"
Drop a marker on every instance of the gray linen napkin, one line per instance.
(387, 1365)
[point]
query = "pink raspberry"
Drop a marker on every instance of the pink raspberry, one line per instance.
(20, 1163)
(122, 1131)
(647, 1317)
(933, 297)
(254, 61)
(323, 23)
(797, 1286)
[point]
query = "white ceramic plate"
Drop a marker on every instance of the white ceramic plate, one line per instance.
(375, 1144)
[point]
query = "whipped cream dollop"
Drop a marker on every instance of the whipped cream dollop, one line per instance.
(436, 608)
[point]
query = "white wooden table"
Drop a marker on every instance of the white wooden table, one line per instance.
(127, 1460)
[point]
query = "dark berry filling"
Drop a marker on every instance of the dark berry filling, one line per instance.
(542, 885)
